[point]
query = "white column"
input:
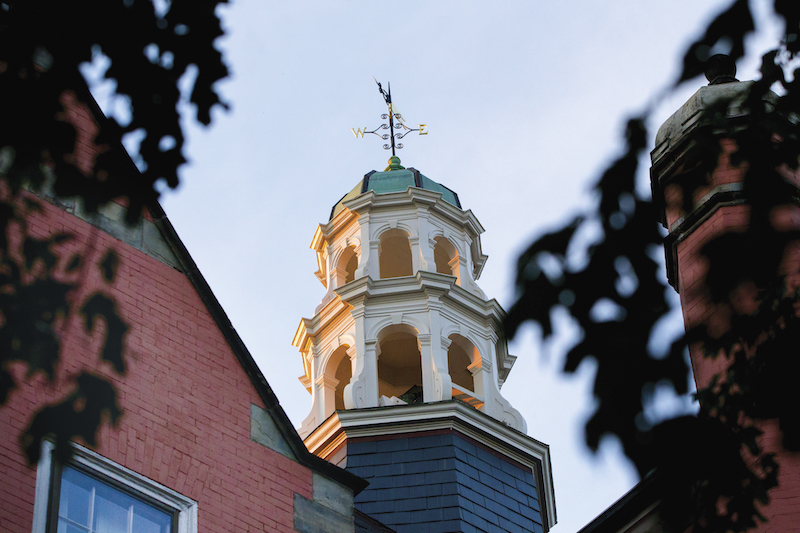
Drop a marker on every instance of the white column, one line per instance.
(368, 263)
(443, 369)
(416, 257)
(428, 380)
(338, 275)
(362, 391)
(481, 377)
(326, 392)
(426, 260)
(455, 265)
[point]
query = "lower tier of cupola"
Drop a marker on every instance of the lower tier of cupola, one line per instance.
(405, 340)
(441, 467)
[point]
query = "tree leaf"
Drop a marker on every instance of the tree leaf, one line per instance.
(78, 415)
(731, 25)
(101, 306)
(109, 265)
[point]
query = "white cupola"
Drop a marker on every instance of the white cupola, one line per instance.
(403, 320)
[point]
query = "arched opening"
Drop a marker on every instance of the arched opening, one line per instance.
(462, 360)
(399, 364)
(460, 356)
(345, 270)
(343, 373)
(445, 256)
(458, 361)
(395, 254)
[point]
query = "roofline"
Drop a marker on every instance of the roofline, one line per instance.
(643, 497)
(246, 360)
(265, 392)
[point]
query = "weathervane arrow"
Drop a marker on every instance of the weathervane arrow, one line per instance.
(396, 126)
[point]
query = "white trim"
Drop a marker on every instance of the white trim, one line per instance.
(96, 463)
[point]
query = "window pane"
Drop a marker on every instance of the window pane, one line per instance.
(85, 499)
(147, 523)
(111, 516)
(64, 528)
(76, 498)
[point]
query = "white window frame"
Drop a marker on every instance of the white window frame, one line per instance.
(136, 484)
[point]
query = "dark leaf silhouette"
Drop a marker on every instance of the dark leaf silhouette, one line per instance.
(60, 145)
(729, 28)
(108, 265)
(713, 471)
(78, 415)
(101, 306)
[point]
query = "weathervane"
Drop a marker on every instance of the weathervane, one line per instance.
(396, 123)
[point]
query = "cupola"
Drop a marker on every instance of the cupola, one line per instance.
(406, 352)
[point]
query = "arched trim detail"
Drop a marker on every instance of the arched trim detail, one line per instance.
(457, 243)
(347, 339)
(456, 338)
(383, 228)
(458, 329)
(408, 320)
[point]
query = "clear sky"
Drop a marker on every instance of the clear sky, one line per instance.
(524, 102)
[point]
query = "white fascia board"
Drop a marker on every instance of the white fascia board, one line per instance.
(338, 222)
(451, 414)
(324, 234)
(317, 242)
(301, 336)
(318, 245)
(478, 258)
(310, 327)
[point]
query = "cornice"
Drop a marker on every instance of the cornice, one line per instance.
(416, 196)
(336, 224)
(423, 283)
(309, 327)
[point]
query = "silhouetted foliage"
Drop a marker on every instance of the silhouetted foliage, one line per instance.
(153, 50)
(715, 469)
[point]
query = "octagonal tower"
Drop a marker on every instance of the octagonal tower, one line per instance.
(404, 359)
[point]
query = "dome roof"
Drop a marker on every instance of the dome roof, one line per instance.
(395, 179)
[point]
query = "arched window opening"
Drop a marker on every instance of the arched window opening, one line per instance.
(445, 256)
(344, 371)
(395, 254)
(399, 364)
(457, 362)
(350, 268)
(345, 271)
(462, 358)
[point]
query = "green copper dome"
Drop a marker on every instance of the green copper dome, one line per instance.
(395, 179)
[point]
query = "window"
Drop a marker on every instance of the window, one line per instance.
(95, 495)
(87, 504)
(394, 254)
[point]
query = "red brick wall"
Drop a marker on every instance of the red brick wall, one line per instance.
(783, 513)
(186, 400)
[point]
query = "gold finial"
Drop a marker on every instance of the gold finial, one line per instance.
(394, 164)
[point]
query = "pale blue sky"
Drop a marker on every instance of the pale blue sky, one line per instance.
(524, 102)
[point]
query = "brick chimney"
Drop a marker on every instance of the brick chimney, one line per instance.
(700, 191)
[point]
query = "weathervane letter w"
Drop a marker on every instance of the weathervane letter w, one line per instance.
(358, 132)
